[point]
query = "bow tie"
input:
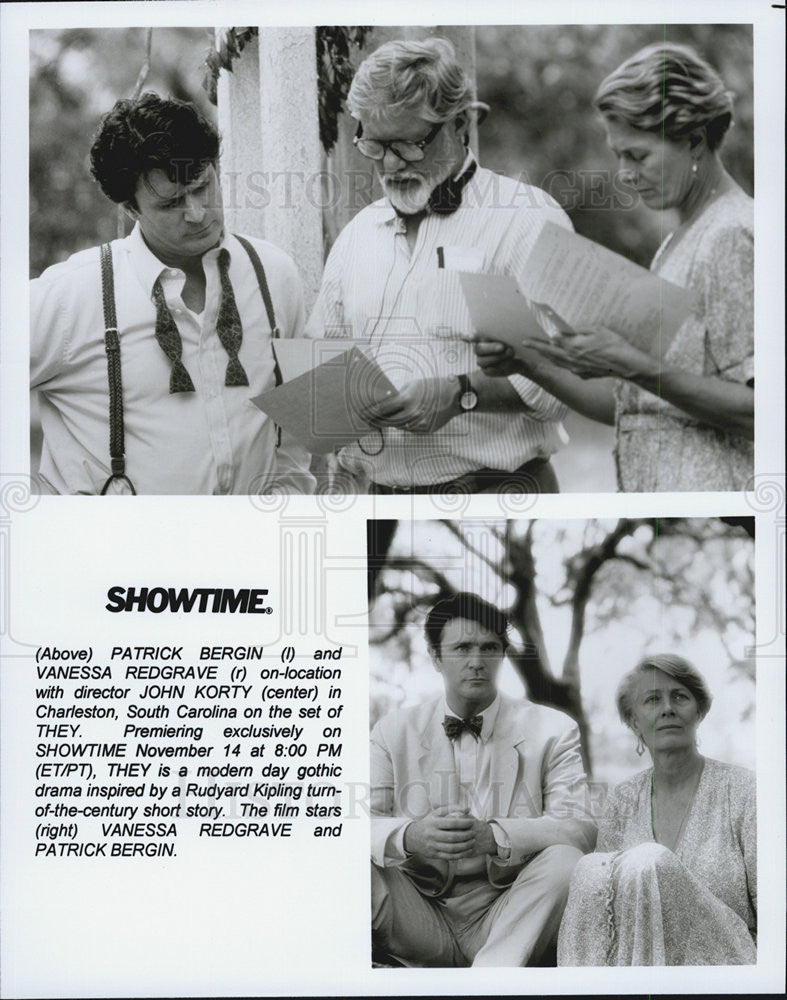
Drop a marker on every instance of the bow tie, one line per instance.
(228, 327)
(453, 727)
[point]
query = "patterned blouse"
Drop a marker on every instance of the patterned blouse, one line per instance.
(659, 447)
(719, 841)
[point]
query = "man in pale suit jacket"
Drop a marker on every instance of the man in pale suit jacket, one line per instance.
(480, 809)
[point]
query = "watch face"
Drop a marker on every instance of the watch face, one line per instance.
(468, 400)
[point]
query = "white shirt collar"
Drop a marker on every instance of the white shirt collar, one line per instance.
(147, 265)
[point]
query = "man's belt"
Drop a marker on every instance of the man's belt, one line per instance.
(525, 479)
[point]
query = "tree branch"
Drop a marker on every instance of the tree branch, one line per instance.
(633, 561)
(589, 563)
(379, 537)
(471, 548)
(423, 571)
(145, 67)
(141, 77)
(520, 572)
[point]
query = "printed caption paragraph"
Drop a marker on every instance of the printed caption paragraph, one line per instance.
(140, 752)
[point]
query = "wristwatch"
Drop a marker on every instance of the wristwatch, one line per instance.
(468, 397)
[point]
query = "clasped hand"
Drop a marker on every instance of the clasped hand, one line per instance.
(421, 407)
(589, 354)
(449, 834)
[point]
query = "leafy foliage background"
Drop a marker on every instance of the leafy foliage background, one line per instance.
(538, 80)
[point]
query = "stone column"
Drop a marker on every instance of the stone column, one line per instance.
(271, 151)
(241, 142)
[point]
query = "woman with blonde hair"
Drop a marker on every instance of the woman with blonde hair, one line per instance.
(686, 423)
(674, 877)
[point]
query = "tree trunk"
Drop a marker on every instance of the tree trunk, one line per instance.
(532, 663)
(379, 536)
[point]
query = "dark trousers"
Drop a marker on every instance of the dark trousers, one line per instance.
(535, 476)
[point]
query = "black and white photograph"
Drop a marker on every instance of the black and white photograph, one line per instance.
(522, 675)
(497, 259)
(472, 681)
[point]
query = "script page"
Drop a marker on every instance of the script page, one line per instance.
(323, 408)
(588, 285)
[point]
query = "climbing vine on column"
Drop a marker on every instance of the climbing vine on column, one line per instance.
(334, 46)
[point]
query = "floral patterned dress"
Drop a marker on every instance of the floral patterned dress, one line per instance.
(659, 447)
(635, 902)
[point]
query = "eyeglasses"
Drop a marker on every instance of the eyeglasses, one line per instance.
(405, 149)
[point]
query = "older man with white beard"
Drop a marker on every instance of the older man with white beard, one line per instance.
(392, 278)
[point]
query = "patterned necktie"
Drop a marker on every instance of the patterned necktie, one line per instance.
(168, 336)
(453, 727)
(229, 326)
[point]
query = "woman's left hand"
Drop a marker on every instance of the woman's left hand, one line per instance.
(597, 354)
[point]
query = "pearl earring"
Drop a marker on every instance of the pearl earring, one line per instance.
(694, 167)
(640, 746)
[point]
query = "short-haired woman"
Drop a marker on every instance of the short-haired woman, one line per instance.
(686, 423)
(673, 880)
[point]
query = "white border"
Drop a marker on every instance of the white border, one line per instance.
(346, 975)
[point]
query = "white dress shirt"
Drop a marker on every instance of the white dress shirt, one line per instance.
(471, 790)
(211, 441)
(413, 311)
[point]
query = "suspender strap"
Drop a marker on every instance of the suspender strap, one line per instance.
(262, 281)
(112, 347)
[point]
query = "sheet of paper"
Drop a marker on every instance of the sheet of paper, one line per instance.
(322, 407)
(497, 307)
(588, 285)
(298, 355)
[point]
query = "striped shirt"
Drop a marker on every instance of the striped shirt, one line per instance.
(411, 308)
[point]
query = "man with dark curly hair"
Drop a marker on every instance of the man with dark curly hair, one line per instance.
(182, 304)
